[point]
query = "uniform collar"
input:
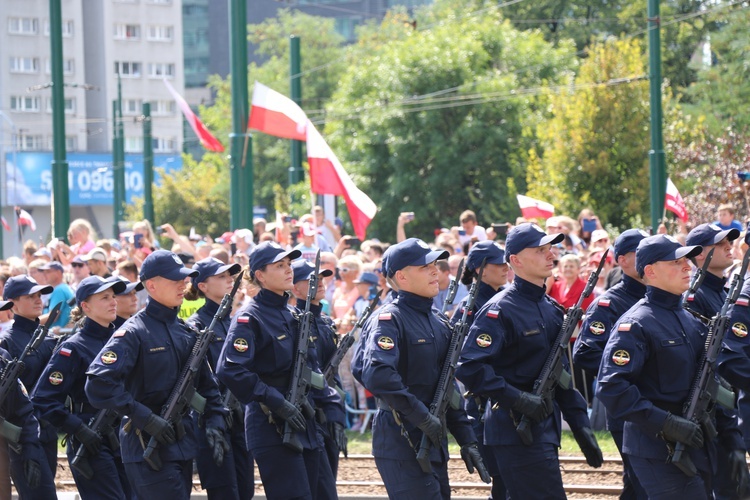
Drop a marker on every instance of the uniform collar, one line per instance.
(161, 312)
(421, 304)
(486, 292)
(94, 329)
(713, 282)
(633, 286)
(663, 298)
(314, 309)
(528, 289)
(24, 324)
(269, 298)
(210, 307)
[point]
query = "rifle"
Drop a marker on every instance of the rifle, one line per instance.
(183, 393)
(12, 371)
(706, 389)
(695, 284)
(553, 373)
(453, 288)
(346, 342)
(103, 424)
(445, 390)
(300, 383)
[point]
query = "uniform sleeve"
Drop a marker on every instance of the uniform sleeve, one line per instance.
(589, 346)
(622, 362)
(483, 345)
(105, 386)
(19, 411)
(209, 388)
(459, 424)
(57, 381)
(380, 370)
(235, 366)
(573, 407)
(734, 360)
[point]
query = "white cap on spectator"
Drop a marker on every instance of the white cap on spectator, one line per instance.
(599, 234)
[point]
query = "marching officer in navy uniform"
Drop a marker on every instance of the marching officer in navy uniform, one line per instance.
(404, 351)
(25, 461)
(600, 317)
(507, 346)
(256, 364)
(234, 478)
(26, 295)
(647, 371)
(64, 378)
(494, 278)
(134, 374)
(127, 301)
(323, 335)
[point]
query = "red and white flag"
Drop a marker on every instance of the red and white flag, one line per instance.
(25, 219)
(276, 114)
(534, 209)
(327, 176)
(207, 139)
(6, 226)
(674, 203)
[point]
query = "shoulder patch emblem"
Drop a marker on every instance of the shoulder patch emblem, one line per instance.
(386, 343)
(621, 357)
(604, 302)
(384, 316)
(109, 357)
(739, 330)
(243, 319)
(742, 301)
(120, 333)
(597, 328)
(64, 351)
(240, 345)
(493, 313)
(484, 340)
(55, 378)
(624, 327)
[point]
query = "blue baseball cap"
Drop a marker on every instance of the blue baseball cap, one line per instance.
(23, 285)
(129, 285)
(95, 284)
(165, 264)
(660, 248)
(369, 278)
(628, 241)
(269, 252)
(304, 269)
(53, 264)
(529, 235)
(211, 266)
(487, 249)
(710, 234)
(411, 252)
(384, 262)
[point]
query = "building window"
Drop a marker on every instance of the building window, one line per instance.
(160, 33)
(67, 28)
(132, 107)
(68, 66)
(127, 32)
(24, 104)
(161, 70)
(164, 145)
(24, 65)
(160, 2)
(23, 25)
(128, 69)
(31, 142)
(71, 143)
(69, 106)
(163, 108)
(133, 144)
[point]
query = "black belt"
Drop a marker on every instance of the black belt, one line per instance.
(673, 408)
(276, 381)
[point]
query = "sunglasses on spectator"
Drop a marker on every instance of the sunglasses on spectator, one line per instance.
(76, 264)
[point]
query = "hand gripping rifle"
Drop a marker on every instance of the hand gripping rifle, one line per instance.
(706, 389)
(183, 393)
(553, 373)
(103, 424)
(695, 284)
(445, 390)
(14, 368)
(300, 383)
(346, 342)
(453, 288)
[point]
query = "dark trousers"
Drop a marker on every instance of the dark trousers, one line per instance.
(631, 486)
(332, 454)
(109, 479)
(173, 482)
(530, 471)
(405, 479)
(664, 481)
(219, 482)
(286, 474)
(46, 488)
(326, 479)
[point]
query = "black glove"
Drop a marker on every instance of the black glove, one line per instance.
(291, 414)
(159, 429)
(336, 431)
(739, 473)
(532, 406)
(219, 445)
(472, 458)
(678, 429)
(590, 448)
(433, 429)
(90, 439)
(33, 473)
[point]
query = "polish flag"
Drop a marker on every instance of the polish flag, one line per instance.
(25, 219)
(674, 203)
(5, 223)
(534, 209)
(276, 114)
(327, 176)
(208, 141)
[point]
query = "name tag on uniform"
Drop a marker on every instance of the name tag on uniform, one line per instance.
(157, 349)
(281, 337)
(421, 341)
(530, 333)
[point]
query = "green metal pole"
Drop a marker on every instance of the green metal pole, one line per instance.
(60, 195)
(241, 161)
(656, 157)
(115, 174)
(148, 165)
(296, 173)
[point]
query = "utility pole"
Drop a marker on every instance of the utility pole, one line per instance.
(241, 142)
(148, 165)
(296, 173)
(656, 157)
(118, 162)
(60, 195)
